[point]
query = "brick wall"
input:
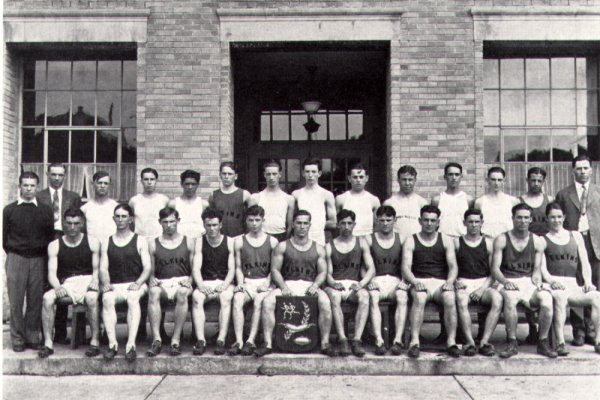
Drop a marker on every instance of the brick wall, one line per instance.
(10, 170)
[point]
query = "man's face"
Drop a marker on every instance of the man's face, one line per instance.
(254, 223)
(189, 185)
(149, 182)
(582, 172)
(358, 179)
(213, 227)
(535, 183)
(301, 226)
(228, 176)
(101, 186)
(453, 177)
(496, 182)
(122, 219)
(56, 177)
(555, 220)
(429, 222)
(72, 226)
(311, 173)
(272, 176)
(473, 224)
(386, 223)
(27, 188)
(169, 225)
(407, 183)
(346, 226)
(521, 220)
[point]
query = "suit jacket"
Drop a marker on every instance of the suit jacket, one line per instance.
(69, 200)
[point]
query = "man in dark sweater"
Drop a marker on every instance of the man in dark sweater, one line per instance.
(27, 228)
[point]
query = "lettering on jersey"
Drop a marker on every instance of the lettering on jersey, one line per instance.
(347, 266)
(409, 217)
(295, 270)
(231, 214)
(250, 268)
(167, 262)
(519, 267)
(563, 257)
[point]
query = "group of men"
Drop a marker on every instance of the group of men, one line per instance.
(240, 248)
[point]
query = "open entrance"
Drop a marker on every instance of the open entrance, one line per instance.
(272, 80)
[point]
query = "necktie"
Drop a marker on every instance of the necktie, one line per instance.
(56, 206)
(583, 200)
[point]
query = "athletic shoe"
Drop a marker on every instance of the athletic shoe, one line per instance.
(45, 352)
(487, 350)
(544, 349)
(248, 349)
(328, 350)
(453, 351)
(175, 350)
(263, 351)
(234, 350)
(131, 355)
(220, 349)
(413, 351)
(345, 348)
(512, 348)
(561, 351)
(578, 340)
(597, 348)
(154, 349)
(469, 350)
(380, 350)
(357, 348)
(92, 351)
(396, 348)
(199, 348)
(110, 353)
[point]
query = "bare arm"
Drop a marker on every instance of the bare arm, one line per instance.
(368, 263)
(330, 213)
(239, 274)
(339, 203)
(539, 246)
(152, 281)
(406, 267)
(246, 197)
(470, 201)
(103, 272)
(321, 272)
(230, 266)
(375, 204)
(197, 264)
(330, 281)
(477, 204)
(451, 261)
(435, 200)
(253, 200)
(499, 245)
(276, 264)
(289, 218)
(53, 265)
(95, 249)
(146, 264)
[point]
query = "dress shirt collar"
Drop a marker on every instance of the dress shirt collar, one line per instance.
(21, 200)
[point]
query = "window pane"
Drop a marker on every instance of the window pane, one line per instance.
(84, 75)
(355, 126)
(490, 74)
(34, 75)
(538, 145)
(281, 129)
(298, 130)
(491, 145)
(82, 146)
(32, 148)
(33, 108)
(590, 79)
(588, 141)
(321, 134)
(107, 143)
(563, 144)
(59, 106)
(587, 107)
(59, 75)
(129, 110)
(328, 169)
(109, 108)
(109, 74)
(581, 73)
(537, 73)
(265, 127)
(58, 146)
(129, 146)
(563, 73)
(563, 107)
(337, 127)
(514, 145)
(339, 172)
(490, 107)
(511, 73)
(293, 173)
(538, 107)
(513, 107)
(84, 108)
(129, 75)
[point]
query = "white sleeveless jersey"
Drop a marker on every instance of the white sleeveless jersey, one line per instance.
(276, 207)
(99, 219)
(314, 203)
(191, 223)
(453, 209)
(146, 214)
(361, 204)
(497, 214)
(408, 210)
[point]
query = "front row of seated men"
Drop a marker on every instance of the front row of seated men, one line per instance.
(519, 267)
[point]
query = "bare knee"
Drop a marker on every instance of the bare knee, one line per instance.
(363, 298)
(91, 299)
(182, 296)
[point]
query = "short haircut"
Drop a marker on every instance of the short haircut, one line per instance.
(519, 207)
(473, 211)
(452, 165)
(74, 212)
(302, 213)
(255, 211)
(229, 164)
(28, 175)
(537, 171)
(430, 209)
(99, 175)
(358, 167)
(387, 211)
(312, 161)
(210, 213)
(167, 212)
(554, 206)
(407, 169)
(496, 169)
(581, 157)
(272, 163)
(345, 214)
(57, 165)
(125, 207)
(147, 171)
(188, 173)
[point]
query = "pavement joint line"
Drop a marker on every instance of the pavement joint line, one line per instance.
(462, 387)
(156, 386)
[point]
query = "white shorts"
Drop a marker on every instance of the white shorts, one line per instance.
(213, 284)
(526, 290)
(572, 289)
(346, 292)
(76, 287)
(170, 286)
(432, 285)
(122, 292)
(298, 287)
(388, 284)
(251, 286)
(472, 284)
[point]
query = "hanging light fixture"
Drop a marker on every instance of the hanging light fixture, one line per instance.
(311, 107)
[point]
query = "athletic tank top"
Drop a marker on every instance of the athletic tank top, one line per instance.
(171, 263)
(232, 207)
(497, 215)
(214, 260)
(361, 205)
(429, 262)
(473, 262)
(146, 214)
(275, 212)
(73, 261)
(387, 261)
(313, 203)
(346, 265)
(124, 263)
(562, 260)
(408, 210)
(453, 209)
(256, 261)
(538, 218)
(190, 214)
(517, 264)
(299, 265)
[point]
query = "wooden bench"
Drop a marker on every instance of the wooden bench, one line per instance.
(387, 309)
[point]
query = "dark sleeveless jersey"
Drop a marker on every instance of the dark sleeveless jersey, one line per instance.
(562, 260)
(387, 261)
(171, 263)
(429, 262)
(232, 207)
(73, 261)
(346, 265)
(256, 261)
(473, 262)
(299, 265)
(214, 260)
(124, 263)
(517, 264)
(538, 218)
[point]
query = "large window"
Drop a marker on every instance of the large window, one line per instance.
(81, 113)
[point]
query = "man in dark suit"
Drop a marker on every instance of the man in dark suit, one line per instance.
(581, 202)
(60, 200)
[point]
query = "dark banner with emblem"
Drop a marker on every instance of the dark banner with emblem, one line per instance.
(296, 323)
